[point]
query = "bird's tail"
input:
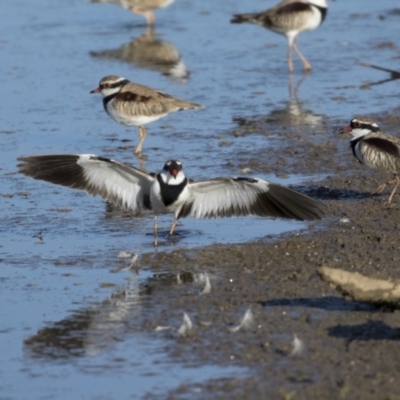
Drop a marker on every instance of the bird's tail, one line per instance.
(185, 105)
(197, 106)
(240, 18)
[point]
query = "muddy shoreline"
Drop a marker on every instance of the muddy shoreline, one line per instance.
(350, 348)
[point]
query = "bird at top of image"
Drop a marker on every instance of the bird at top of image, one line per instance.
(170, 191)
(129, 103)
(375, 149)
(140, 7)
(289, 18)
(149, 52)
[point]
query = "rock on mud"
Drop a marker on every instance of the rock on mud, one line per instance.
(361, 288)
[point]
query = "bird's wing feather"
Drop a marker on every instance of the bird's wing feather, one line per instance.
(282, 16)
(287, 16)
(380, 152)
(384, 145)
(225, 197)
(123, 185)
(147, 101)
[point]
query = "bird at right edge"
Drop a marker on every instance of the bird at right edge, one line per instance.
(375, 149)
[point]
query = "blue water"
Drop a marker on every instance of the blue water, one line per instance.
(57, 246)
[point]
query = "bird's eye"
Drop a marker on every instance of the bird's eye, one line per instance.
(106, 85)
(356, 124)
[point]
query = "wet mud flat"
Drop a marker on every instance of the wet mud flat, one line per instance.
(348, 350)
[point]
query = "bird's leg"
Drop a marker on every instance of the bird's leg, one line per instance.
(380, 188)
(142, 135)
(173, 226)
(397, 180)
(149, 15)
(289, 59)
(307, 65)
(155, 230)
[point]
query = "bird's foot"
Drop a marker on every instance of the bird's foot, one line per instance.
(393, 192)
(379, 189)
(388, 203)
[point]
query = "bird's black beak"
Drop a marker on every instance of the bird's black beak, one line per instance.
(97, 90)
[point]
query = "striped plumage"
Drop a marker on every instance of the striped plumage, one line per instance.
(289, 18)
(375, 149)
(130, 104)
(170, 191)
(140, 7)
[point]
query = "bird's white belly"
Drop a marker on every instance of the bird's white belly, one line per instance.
(314, 21)
(156, 203)
(126, 119)
(167, 3)
(124, 4)
(155, 199)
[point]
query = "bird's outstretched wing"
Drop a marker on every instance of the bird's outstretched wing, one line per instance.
(121, 184)
(225, 197)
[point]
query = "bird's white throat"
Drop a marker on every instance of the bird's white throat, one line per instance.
(171, 180)
(109, 91)
(357, 133)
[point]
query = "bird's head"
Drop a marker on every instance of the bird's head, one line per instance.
(109, 85)
(172, 173)
(360, 126)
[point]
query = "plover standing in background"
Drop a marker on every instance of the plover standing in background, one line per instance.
(140, 7)
(289, 18)
(132, 104)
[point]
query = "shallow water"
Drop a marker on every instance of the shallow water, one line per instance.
(58, 245)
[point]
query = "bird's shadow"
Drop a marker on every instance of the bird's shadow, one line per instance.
(328, 303)
(371, 330)
(394, 75)
(326, 193)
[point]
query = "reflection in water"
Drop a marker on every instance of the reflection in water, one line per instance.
(163, 281)
(140, 7)
(117, 213)
(151, 53)
(88, 332)
(292, 112)
(394, 75)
